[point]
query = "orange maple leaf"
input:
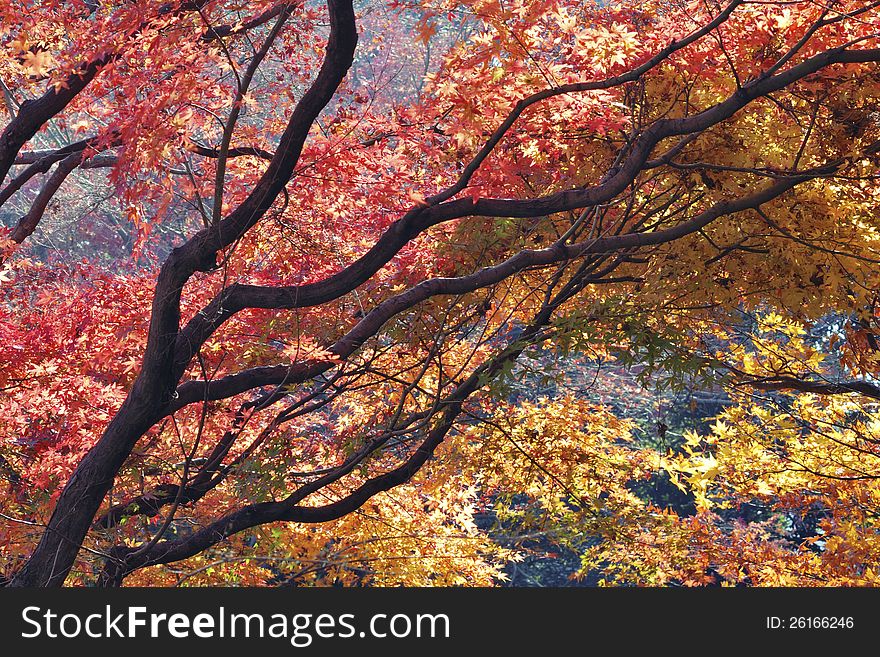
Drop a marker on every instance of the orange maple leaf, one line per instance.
(38, 64)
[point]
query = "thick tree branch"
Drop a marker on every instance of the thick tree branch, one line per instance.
(239, 151)
(237, 298)
(41, 161)
(34, 114)
(155, 383)
(125, 559)
(222, 31)
(28, 223)
(815, 387)
(283, 375)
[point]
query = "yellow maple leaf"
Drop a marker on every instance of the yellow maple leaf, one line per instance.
(418, 199)
(38, 64)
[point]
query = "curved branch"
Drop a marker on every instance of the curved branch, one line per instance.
(418, 220)
(125, 560)
(576, 87)
(33, 114)
(28, 223)
(234, 299)
(42, 161)
(169, 350)
(240, 151)
(153, 387)
(222, 31)
(282, 375)
(816, 387)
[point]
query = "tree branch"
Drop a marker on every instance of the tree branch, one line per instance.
(815, 387)
(33, 114)
(153, 387)
(419, 219)
(28, 223)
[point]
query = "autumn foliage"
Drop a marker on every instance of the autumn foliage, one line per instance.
(390, 292)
